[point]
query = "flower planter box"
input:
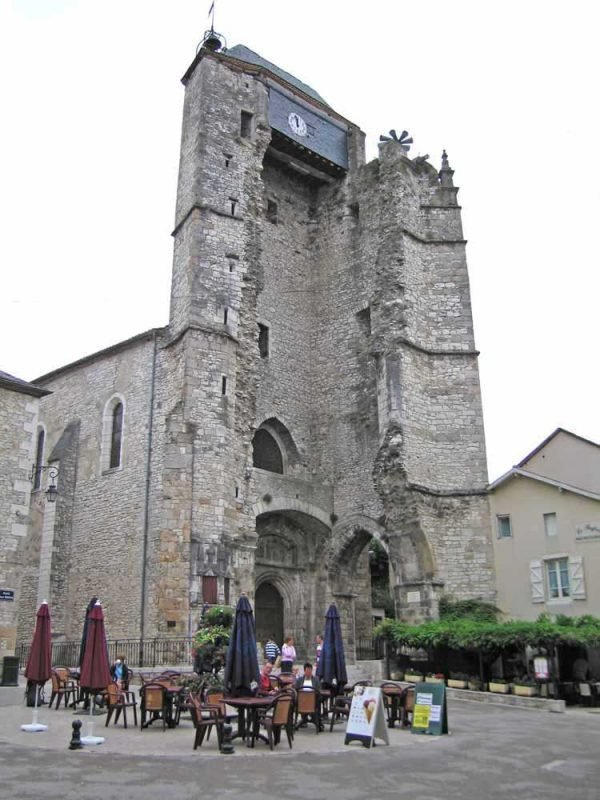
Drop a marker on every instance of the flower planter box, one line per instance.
(456, 684)
(433, 680)
(525, 691)
(499, 688)
(413, 677)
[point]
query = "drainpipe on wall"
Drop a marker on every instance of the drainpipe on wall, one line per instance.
(147, 501)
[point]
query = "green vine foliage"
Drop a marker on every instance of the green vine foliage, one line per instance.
(471, 634)
(211, 641)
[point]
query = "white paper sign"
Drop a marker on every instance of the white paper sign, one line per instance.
(366, 720)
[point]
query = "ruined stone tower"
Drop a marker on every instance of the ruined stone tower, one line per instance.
(317, 384)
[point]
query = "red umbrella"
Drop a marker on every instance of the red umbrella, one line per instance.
(39, 663)
(95, 669)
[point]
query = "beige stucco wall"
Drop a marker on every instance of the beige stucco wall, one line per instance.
(569, 459)
(526, 501)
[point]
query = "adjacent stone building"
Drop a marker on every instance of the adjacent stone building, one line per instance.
(316, 386)
(21, 444)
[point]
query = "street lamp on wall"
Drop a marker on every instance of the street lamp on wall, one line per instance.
(51, 492)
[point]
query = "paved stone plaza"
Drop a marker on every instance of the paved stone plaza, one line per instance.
(491, 753)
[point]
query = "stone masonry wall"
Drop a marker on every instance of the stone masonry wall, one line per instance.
(18, 435)
(97, 548)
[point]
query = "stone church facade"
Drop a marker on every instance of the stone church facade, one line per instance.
(316, 386)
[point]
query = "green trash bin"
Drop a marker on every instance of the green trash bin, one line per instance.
(10, 671)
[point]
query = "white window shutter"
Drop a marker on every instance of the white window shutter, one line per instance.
(576, 577)
(536, 579)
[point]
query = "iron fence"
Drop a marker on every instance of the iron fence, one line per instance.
(136, 652)
(368, 649)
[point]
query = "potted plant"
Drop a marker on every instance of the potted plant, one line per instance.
(525, 687)
(435, 677)
(412, 676)
(458, 680)
(499, 686)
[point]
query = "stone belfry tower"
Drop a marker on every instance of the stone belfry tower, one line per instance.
(320, 375)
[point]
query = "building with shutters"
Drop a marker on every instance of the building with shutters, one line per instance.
(316, 387)
(546, 520)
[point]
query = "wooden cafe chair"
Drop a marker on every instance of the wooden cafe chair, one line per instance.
(307, 705)
(153, 703)
(117, 702)
(276, 717)
(205, 717)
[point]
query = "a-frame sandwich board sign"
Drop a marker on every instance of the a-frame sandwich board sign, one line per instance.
(430, 712)
(366, 720)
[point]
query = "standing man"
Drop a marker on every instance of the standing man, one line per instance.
(271, 650)
(319, 642)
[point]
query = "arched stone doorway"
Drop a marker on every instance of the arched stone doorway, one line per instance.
(268, 613)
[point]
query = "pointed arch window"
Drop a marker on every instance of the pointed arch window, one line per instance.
(39, 459)
(113, 434)
(116, 436)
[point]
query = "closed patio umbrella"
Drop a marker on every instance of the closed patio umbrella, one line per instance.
(241, 662)
(39, 663)
(88, 611)
(95, 669)
(332, 664)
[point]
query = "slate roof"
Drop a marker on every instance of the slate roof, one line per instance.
(244, 53)
(14, 384)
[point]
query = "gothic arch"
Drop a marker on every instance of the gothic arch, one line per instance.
(283, 503)
(284, 439)
(410, 554)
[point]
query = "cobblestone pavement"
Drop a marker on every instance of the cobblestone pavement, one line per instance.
(491, 753)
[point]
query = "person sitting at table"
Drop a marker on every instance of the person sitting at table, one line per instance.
(118, 672)
(264, 684)
(307, 681)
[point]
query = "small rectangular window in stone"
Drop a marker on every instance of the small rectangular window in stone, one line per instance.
(504, 526)
(209, 589)
(550, 525)
(225, 315)
(226, 591)
(223, 384)
(272, 211)
(263, 340)
(116, 436)
(233, 202)
(364, 321)
(246, 125)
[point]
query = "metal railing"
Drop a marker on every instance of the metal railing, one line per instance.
(137, 653)
(368, 649)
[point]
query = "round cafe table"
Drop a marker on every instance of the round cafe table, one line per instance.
(247, 707)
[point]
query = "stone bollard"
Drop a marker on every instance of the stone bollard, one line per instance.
(75, 743)
(227, 747)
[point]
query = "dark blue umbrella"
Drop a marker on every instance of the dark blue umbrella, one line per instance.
(241, 662)
(332, 664)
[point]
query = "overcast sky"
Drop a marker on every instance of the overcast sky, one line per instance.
(89, 146)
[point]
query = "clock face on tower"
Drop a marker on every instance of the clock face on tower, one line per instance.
(297, 124)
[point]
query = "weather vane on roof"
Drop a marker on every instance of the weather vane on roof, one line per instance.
(404, 140)
(212, 40)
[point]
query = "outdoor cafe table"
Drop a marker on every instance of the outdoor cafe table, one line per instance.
(395, 696)
(247, 707)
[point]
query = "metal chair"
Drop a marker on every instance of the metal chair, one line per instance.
(307, 706)
(205, 717)
(118, 701)
(62, 687)
(280, 717)
(153, 700)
